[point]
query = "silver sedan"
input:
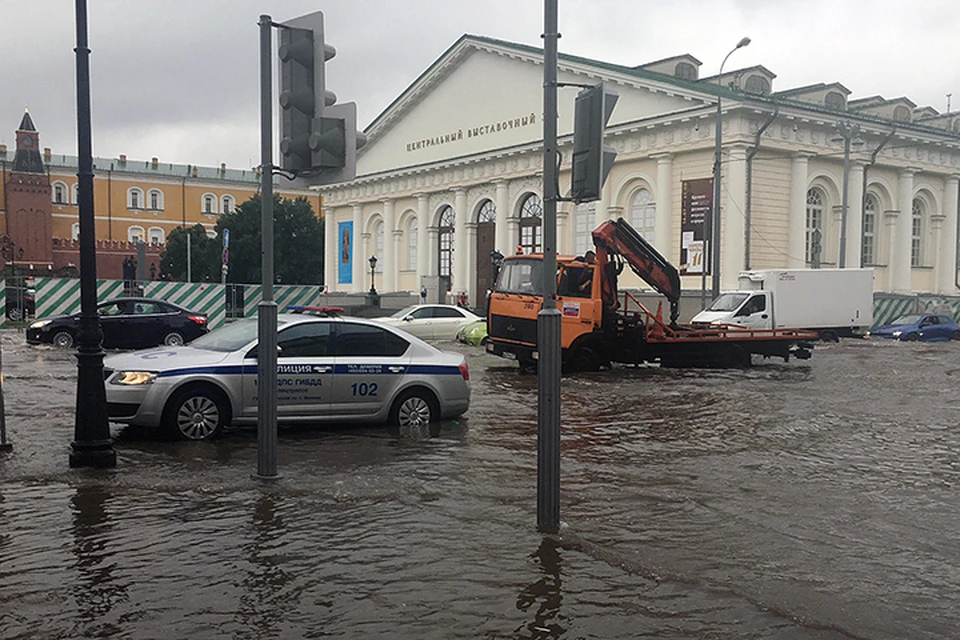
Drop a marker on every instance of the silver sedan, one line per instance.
(328, 370)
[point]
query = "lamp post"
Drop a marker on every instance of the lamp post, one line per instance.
(849, 135)
(373, 271)
(715, 226)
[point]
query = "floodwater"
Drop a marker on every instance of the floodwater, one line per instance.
(813, 499)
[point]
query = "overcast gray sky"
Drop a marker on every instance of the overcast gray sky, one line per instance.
(178, 79)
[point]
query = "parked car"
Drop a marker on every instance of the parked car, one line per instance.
(474, 334)
(431, 321)
(328, 369)
(127, 323)
(21, 302)
(926, 327)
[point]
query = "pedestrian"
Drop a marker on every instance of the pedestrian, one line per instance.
(423, 294)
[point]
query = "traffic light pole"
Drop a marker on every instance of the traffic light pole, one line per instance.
(267, 309)
(548, 325)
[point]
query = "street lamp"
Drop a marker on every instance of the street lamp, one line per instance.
(373, 271)
(849, 135)
(715, 227)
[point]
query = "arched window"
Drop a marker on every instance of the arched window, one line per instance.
(412, 230)
(583, 215)
(918, 211)
(834, 100)
(685, 71)
(446, 230)
(487, 213)
(814, 236)
(135, 233)
(531, 223)
(870, 208)
(155, 235)
(135, 198)
(209, 206)
(378, 245)
(757, 84)
(75, 194)
(75, 231)
(901, 114)
(227, 204)
(59, 193)
(155, 200)
(643, 213)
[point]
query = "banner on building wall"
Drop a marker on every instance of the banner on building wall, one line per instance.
(695, 209)
(345, 252)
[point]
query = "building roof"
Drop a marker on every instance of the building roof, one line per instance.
(26, 124)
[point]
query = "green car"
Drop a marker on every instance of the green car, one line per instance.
(474, 334)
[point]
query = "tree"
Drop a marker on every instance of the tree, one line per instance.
(204, 256)
(297, 245)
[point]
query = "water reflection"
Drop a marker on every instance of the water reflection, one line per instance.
(98, 588)
(266, 601)
(545, 595)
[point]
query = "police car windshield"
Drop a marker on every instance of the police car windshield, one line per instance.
(232, 336)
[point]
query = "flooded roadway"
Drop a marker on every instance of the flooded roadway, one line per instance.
(813, 499)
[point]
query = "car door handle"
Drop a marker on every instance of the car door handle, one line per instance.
(396, 369)
(322, 369)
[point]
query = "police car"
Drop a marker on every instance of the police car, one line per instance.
(328, 369)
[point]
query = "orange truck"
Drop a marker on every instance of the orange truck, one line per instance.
(601, 325)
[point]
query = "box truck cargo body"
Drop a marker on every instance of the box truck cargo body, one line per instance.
(833, 302)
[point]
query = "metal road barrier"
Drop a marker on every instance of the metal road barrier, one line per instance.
(203, 297)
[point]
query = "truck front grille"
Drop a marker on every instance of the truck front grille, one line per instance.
(514, 329)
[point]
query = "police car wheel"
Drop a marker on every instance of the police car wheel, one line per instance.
(197, 413)
(173, 339)
(414, 409)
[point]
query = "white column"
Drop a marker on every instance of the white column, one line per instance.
(470, 286)
(563, 228)
(900, 265)
(503, 214)
(854, 251)
(460, 242)
(890, 220)
(936, 227)
(359, 261)
(423, 242)
(331, 253)
(390, 263)
(947, 266)
(600, 212)
(663, 231)
(732, 224)
(797, 224)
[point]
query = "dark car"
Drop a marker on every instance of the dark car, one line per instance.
(127, 323)
(926, 327)
(21, 302)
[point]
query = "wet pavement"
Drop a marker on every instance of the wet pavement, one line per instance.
(810, 499)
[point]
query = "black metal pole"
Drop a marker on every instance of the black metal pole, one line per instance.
(92, 446)
(548, 321)
(267, 309)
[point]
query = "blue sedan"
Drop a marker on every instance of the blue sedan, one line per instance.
(926, 327)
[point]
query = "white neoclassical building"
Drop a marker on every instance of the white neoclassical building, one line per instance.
(453, 170)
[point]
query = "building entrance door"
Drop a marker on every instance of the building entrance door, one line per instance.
(486, 240)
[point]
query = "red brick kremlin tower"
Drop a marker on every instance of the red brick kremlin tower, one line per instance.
(28, 204)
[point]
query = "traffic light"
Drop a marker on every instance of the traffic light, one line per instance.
(319, 138)
(592, 160)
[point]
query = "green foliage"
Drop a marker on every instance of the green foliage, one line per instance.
(297, 246)
(204, 256)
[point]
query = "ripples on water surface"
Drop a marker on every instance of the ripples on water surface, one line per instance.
(804, 500)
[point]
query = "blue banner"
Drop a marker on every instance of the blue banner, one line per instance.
(345, 252)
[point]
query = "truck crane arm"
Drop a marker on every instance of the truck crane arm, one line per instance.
(618, 238)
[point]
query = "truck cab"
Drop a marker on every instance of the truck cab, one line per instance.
(750, 309)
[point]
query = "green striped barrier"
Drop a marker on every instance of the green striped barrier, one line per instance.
(941, 304)
(202, 297)
(887, 307)
(284, 295)
(3, 303)
(61, 296)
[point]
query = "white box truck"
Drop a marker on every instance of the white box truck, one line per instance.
(833, 302)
